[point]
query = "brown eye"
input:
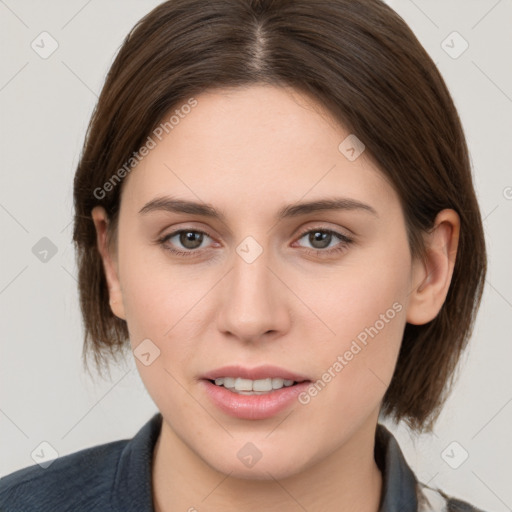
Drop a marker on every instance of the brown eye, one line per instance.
(321, 239)
(188, 239)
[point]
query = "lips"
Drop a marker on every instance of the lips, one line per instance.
(252, 407)
(256, 373)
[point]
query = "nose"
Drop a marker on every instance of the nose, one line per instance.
(255, 300)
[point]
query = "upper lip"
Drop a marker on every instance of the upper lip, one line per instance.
(259, 372)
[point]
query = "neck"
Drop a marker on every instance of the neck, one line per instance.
(346, 479)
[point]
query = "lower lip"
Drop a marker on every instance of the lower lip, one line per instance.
(253, 407)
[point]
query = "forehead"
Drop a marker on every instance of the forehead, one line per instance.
(250, 147)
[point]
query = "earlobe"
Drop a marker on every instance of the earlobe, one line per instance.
(431, 276)
(101, 223)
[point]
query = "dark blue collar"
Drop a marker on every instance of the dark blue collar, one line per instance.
(131, 488)
(399, 484)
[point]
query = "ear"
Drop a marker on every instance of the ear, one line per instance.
(432, 276)
(110, 266)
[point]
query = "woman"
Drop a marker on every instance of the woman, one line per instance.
(275, 213)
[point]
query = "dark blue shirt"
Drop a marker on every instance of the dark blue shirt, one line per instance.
(116, 477)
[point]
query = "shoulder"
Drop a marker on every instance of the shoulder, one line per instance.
(435, 500)
(77, 481)
(111, 477)
(402, 488)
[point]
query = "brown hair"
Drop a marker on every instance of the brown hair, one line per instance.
(357, 58)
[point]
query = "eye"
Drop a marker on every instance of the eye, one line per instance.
(190, 239)
(321, 239)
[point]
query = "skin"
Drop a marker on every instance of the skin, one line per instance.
(248, 152)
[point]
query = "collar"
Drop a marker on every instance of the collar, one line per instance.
(399, 484)
(131, 487)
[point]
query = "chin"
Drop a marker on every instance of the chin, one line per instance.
(253, 464)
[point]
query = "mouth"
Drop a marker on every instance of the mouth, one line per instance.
(258, 380)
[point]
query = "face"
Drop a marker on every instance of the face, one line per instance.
(321, 293)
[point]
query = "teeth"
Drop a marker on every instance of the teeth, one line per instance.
(247, 386)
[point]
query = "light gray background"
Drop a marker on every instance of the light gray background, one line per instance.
(45, 107)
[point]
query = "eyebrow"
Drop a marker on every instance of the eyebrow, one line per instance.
(173, 205)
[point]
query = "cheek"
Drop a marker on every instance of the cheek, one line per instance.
(154, 292)
(161, 302)
(364, 303)
(372, 309)
(169, 304)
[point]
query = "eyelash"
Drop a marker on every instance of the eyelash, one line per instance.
(345, 242)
